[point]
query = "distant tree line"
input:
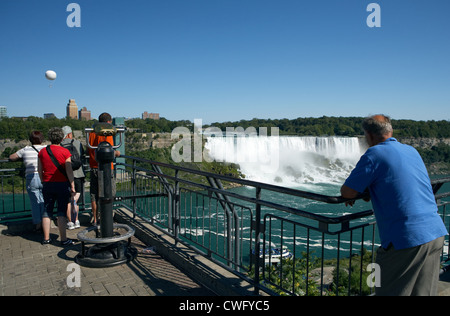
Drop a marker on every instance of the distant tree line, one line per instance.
(342, 126)
(157, 126)
(18, 129)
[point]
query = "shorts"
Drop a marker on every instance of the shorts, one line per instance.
(94, 184)
(78, 184)
(55, 192)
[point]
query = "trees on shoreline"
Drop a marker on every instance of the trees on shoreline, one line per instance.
(18, 128)
(343, 126)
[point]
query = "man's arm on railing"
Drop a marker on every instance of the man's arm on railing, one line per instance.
(349, 193)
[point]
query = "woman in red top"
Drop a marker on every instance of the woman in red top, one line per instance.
(57, 186)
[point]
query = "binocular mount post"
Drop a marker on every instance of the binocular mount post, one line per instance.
(109, 248)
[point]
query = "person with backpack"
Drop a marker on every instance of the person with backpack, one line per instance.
(76, 149)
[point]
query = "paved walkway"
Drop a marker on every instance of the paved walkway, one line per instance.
(29, 268)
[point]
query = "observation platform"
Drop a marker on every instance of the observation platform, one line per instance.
(28, 268)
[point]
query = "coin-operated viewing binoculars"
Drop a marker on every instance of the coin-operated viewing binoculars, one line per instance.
(109, 248)
(104, 154)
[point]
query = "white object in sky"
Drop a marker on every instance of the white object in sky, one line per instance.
(50, 75)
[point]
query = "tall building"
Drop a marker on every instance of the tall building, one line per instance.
(3, 112)
(84, 114)
(72, 109)
(153, 116)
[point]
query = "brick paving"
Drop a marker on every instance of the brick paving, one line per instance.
(28, 268)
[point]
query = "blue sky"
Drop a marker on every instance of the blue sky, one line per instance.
(221, 60)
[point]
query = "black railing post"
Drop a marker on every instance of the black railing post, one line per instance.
(257, 240)
(105, 156)
(133, 187)
(232, 217)
(176, 207)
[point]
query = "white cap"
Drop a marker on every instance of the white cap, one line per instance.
(66, 130)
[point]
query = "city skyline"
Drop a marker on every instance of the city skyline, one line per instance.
(228, 60)
(75, 112)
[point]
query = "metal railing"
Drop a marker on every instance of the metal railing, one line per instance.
(15, 204)
(265, 234)
(279, 248)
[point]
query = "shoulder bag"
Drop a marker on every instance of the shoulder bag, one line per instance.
(56, 163)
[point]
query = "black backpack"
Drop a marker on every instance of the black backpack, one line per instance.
(76, 159)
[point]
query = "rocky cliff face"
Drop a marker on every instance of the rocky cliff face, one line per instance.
(161, 140)
(425, 143)
(145, 141)
(8, 143)
(139, 141)
(437, 168)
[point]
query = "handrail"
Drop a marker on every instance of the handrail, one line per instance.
(265, 186)
(437, 183)
(298, 193)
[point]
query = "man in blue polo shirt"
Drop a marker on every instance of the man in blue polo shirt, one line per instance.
(411, 230)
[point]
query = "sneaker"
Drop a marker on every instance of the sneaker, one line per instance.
(46, 242)
(67, 242)
(77, 224)
(70, 225)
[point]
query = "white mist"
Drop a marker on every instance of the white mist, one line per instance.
(289, 161)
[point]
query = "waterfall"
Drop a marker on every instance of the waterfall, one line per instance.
(289, 161)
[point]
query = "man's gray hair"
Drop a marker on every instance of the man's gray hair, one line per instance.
(55, 135)
(379, 125)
